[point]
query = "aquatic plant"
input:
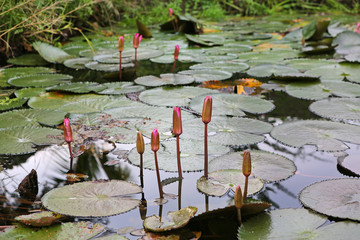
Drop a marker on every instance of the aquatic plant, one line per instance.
(177, 131)
(68, 138)
(239, 202)
(140, 147)
(136, 41)
(121, 48)
(206, 118)
(246, 168)
(155, 145)
(176, 56)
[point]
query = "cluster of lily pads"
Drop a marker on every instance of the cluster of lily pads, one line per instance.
(102, 111)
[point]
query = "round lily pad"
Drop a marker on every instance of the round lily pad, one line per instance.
(175, 220)
(92, 199)
(119, 88)
(269, 70)
(304, 64)
(39, 80)
(165, 79)
(267, 56)
(29, 92)
(11, 103)
(325, 135)
(77, 63)
(28, 60)
(349, 165)
(30, 118)
(207, 75)
(22, 140)
(7, 73)
(233, 104)
(220, 182)
(307, 90)
(107, 67)
(335, 197)
(179, 96)
(192, 155)
(229, 66)
(337, 108)
(78, 87)
(337, 72)
(267, 166)
(164, 59)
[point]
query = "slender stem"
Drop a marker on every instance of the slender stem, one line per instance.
(120, 68)
(205, 153)
(178, 155)
(173, 23)
(135, 58)
(71, 156)
(206, 203)
(239, 215)
(173, 70)
(141, 171)
(246, 187)
(160, 211)
(158, 176)
(179, 193)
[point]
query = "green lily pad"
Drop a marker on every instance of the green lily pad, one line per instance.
(39, 80)
(233, 104)
(164, 59)
(206, 40)
(92, 199)
(22, 140)
(11, 103)
(30, 118)
(28, 60)
(220, 182)
(229, 48)
(107, 67)
(267, 166)
(295, 224)
(192, 155)
(77, 63)
(70, 230)
(165, 79)
(267, 56)
(337, 72)
(335, 197)
(50, 53)
(29, 92)
(337, 108)
(228, 66)
(142, 54)
(254, 36)
(269, 70)
(304, 64)
(119, 88)
(180, 96)
(336, 28)
(207, 75)
(111, 59)
(175, 220)
(85, 103)
(315, 30)
(78, 87)
(319, 49)
(325, 135)
(213, 58)
(39, 219)
(7, 73)
(346, 38)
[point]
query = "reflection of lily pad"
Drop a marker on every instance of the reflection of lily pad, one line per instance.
(233, 104)
(337, 108)
(336, 197)
(175, 220)
(92, 199)
(165, 79)
(325, 135)
(39, 80)
(266, 166)
(220, 182)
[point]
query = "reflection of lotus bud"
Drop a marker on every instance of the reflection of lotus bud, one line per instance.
(67, 131)
(176, 52)
(246, 164)
(238, 198)
(177, 126)
(136, 40)
(140, 146)
(207, 109)
(121, 43)
(155, 140)
(170, 12)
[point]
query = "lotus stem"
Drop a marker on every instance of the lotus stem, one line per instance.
(178, 156)
(135, 59)
(121, 48)
(206, 118)
(246, 186)
(158, 176)
(205, 152)
(71, 156)
(179, 193)
(176, 56)
(173, 70)
(239, 202)
(155, 145)
(120, 68)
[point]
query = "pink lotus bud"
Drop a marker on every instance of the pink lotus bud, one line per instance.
(357, 28)
(207, 109)
(170, 12)
(177, 125)
(136, 40)
(67, 131)
(176, 53)
(155, 140)
(121, 43)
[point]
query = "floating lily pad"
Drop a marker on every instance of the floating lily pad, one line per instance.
(78, 87)
(111, 59)
(232, 67)
(346, 38)
(180, 96)
(85, 103)
(22, 140)
(50, 53)
(207, 75)
(354, 57)
(70, 230)
(40, 219)
(119, 88)
(229, 48)
(319, 49)
(315, 29)
(28, 60)
(107, 67)
(349, 165)
(165, 79)
(269, 70)
(266, 166)
(336, 197)
(325, 135)
(7, 73)
(220, 182)
(192, 155)
(175, 220)
(267, 57)
(254, 36)
(206, 40)
(337, 108)
(30, 118)
(11, 103)
(39, 80)
(337, 72)
(77, 63)
(164, 59)
(92, 199)
(233, 104)
(29, 92)
(304, 64)
(295, 224)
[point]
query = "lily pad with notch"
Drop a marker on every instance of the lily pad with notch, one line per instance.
(77, 63)
(207, 75)
(39, 80)
(337, 108)
(164, 79)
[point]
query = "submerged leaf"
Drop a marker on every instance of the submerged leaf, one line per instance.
(40, 219)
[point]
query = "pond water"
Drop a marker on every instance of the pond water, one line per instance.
(52, 163)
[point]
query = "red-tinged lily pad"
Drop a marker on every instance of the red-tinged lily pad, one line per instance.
(92, 199)
(175, 220)
(40, 219)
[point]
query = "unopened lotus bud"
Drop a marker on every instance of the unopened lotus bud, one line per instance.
(170, 12)
(136, 40)
(207, 109)
(177, 125)
(155, 140)
(67, 131)
(246, 167)
(121, 43)
(140, 146)
(238, 198)
(176, 52)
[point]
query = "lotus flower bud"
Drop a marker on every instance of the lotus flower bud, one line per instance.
(176, 53)
(177, 125)
(140, 146)
(155, 140)
(121, 43)
(238, 198)
(246, 167)
(171, 12)
(67, 131)
(357, 28)
(207, 109)
(136, 40)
